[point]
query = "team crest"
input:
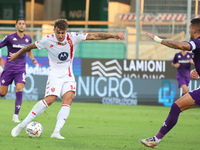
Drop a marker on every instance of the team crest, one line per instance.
(52, 89)
(27, 40)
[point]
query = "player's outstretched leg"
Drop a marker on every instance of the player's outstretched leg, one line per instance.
(37, 109)
(150, 142)
(61, 119)
(17, 130)
(57, 135)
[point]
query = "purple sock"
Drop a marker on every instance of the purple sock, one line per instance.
(18, 102)
(170, 121)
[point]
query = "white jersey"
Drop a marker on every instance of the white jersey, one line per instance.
(61, 54)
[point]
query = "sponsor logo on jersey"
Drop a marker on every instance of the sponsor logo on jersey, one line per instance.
(18, 46)
(79, 34)
(63, 56)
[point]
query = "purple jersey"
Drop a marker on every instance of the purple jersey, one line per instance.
(195, 47)
(14, 43)
(184, 61)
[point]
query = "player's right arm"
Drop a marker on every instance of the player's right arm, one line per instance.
(103, 36)
(185, 46)
(4, 42)
(14, 56)
(176, 65)
(175, 62)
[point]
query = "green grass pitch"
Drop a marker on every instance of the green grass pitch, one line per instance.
(93, 126)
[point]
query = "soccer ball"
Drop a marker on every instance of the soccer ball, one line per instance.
(34, 129)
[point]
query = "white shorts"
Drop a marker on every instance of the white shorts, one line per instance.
(59, 86)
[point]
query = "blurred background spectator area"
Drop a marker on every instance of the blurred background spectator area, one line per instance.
(166, 18)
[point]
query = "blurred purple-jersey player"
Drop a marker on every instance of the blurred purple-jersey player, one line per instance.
(182, 61)
(16, 70)
(189, 100)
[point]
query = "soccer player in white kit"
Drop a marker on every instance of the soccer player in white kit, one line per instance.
(61, 48)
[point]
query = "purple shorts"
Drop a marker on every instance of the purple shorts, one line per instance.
(182, 81)
(195, 94)
(8, 76)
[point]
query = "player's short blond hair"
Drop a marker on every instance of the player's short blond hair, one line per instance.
(61, 24)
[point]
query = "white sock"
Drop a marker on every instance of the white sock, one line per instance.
(61, 117)
(157, 140)
(37, 109)
(15, 115)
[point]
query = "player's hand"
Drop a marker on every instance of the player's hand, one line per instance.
(120, 36)
(177, 65)
(194, 74)
(34, 62)
(150, 35)
(12, 56)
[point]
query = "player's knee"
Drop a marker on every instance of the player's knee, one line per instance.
(50, 99)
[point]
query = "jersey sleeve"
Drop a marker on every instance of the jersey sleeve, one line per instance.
(30, 40)
(40, 44)
(79, 37)
(194, 44)
(4, 42)
(175, 59)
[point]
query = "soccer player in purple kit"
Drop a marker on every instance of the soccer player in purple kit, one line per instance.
(182, 61)
(16, 70)
(189, 100)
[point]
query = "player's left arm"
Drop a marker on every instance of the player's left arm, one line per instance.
(30, 55)
(191, 61)
(176, 65)
(103, 36)
(185, 46)
(13, 56)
